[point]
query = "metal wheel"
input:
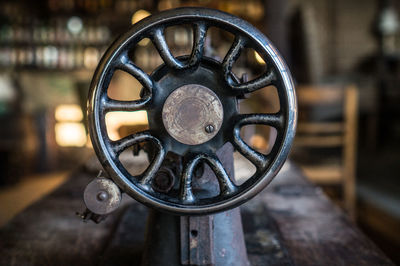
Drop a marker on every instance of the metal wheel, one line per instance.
(215, 91)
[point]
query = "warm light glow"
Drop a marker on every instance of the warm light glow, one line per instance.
(91, 57)
(139, 15)
(75, 25)
(259, 58)
(89, 142)
(258, 142)
(144, 42)
(70, 134)
(114, 120)
(69, 112)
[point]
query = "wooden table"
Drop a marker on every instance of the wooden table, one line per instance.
(289, 223)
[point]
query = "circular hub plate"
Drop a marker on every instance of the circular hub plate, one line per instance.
(192, 114)
(102, 196)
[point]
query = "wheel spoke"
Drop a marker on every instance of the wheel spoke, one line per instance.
(161, 45)
(110, 105)
(231, 57)
(199, 35)
(120, 145)
(126, 65)
(226, 185)
(186, 192)
(155, 165)
(275, 120)
(258, 159)
(233, 54)
(265, 80)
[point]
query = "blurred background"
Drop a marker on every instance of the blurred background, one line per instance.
(344, 56)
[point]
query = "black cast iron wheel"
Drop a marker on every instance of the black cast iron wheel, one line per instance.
(178, 72)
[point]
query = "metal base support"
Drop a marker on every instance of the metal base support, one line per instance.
(195, 240)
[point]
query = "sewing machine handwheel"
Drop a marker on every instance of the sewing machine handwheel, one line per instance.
(212, 90)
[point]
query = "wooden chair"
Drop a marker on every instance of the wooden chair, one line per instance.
(326, 134)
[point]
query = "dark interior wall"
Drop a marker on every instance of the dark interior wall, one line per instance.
(336, 35)
(354, 37)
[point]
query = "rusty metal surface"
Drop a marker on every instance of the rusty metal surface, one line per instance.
(198, 240)
(192, 114)
(197, 245)
(201, 240)
(214, 239)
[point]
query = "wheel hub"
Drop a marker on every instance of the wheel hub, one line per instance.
(192, 114)
(199, 120)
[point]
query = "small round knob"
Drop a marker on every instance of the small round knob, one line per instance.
(102, 196)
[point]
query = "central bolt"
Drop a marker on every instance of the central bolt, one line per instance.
(102, 196)
(164, 180)
(209, 128)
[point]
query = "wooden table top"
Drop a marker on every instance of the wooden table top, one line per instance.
(290, 223)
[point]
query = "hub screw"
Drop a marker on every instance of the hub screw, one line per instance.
(102, 196)
(209, 128)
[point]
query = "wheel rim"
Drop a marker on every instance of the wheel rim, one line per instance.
(284, 121)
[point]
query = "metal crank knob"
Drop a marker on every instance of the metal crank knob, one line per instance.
(102, 196)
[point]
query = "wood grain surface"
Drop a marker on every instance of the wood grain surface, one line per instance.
(290, 223)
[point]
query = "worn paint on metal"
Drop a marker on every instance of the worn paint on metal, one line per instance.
(189, 111)
(102, 196)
